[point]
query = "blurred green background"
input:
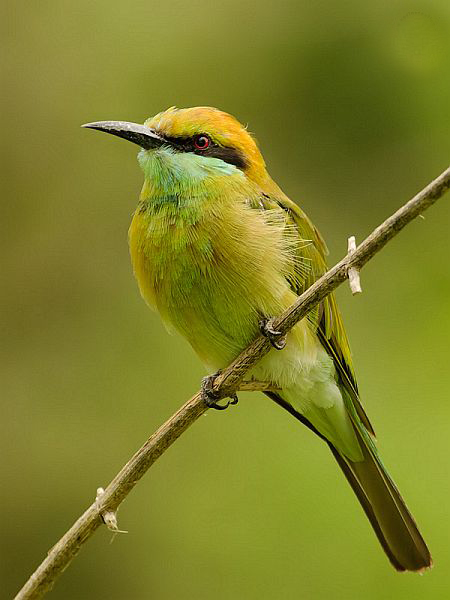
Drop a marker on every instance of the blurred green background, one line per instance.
(350, 102)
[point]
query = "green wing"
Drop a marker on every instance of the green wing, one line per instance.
(375, 490)
(327, 318)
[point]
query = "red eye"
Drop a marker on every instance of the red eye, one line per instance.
(201, 142)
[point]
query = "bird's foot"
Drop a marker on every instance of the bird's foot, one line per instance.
(276, 338)
(210, 397)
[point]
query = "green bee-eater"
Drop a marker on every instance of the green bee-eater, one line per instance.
(217, 248)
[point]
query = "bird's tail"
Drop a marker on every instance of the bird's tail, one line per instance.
(385, 508)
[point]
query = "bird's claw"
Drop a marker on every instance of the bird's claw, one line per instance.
(276, 338)
(211, 398)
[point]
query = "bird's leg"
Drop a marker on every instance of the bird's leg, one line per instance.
(276, 338)
(210, 397)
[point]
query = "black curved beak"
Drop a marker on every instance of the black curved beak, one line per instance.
(133, 132)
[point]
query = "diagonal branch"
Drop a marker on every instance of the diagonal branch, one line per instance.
(229, 381)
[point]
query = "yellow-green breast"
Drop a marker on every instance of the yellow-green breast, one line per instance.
(212, 265)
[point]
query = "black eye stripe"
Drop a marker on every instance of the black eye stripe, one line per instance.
(232, 156)
(184, 144)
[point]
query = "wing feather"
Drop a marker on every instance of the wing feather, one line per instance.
(311, 265)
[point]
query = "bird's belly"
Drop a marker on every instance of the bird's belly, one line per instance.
(220, 321)
(220, 318)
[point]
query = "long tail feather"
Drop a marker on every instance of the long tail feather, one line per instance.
(386, 510)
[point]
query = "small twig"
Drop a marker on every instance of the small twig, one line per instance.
(257, 386)
(226, 384)
(353, 273)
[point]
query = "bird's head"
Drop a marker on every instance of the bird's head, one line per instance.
(190, 144)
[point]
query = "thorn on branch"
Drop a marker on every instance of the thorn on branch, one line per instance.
(109, 517)
(353, 273)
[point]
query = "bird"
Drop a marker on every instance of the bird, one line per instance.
(217, 250)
